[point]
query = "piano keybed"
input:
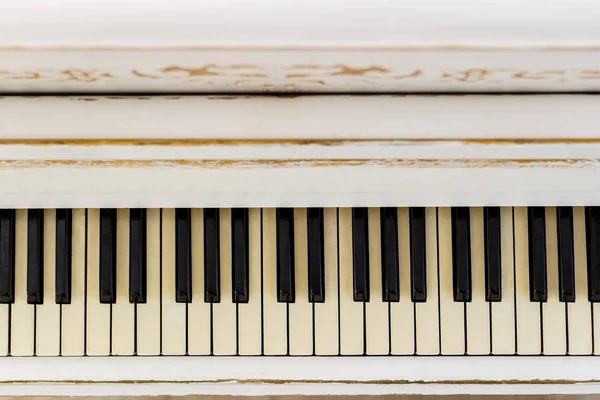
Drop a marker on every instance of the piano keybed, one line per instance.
(347, 281)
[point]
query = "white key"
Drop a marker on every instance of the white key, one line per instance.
(98, 314)
(351, 312)
(148, 314)
(174, 315)
(427, 317)
(301, 327)
(123, 321)
(22, 324)
(452, 313)
(4, 329)
(274, 313)
(554, 318)
(249, 314)
(402, 312)
(377, 311)
(503, 312)
(198, 310)
(529, 339)
(478, 310)
(224, 313)
(326, 314)
(579, 312)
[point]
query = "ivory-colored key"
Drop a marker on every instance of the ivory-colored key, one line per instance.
(4, 329)
(249, 314)
(377, 311)
(22, 314)
(326, 314)
(274, 313)
(123, 321)
(351, 312)
(579, 312)
(301, 325)
(503, 312)
(224, 313)
(554, 318)
(427, 317)
(478, 310)
(402, 321)
(97, 314)
(174, 315)
(452, 313)
(198, 310)
(529, 339)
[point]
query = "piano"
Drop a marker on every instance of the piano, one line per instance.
(323, 198)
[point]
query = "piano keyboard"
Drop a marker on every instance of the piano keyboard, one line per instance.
(361, 281)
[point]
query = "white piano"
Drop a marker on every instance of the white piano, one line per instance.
(300, 197)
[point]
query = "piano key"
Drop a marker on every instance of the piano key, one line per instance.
(402, 315)
(224, 314)
(286, 291)
(7, 257)
(4, 329)
(174, 314)
(452, 312)
(389, 253)
(48, 314)
(108, 255)
(123, 314)
(183, 255)
(461, 253)
(97, 313)
(199, 316)
(360, 253)
(502, 313)
(275, 331)
(478, 309)
(592, 227)
(249, 314)
(377, 310)
(553, 311)
(239, 218)
(316, 257)
(427, 339)
(326, 314)
(566, 260)
(493, 255)
(137, 255)
(538, 286)
(418, 260)
(528, 323)
(73, 314)
(301, 311)
(22, 339)
(579, 312)
(63, 235)
(212, 278)
(351, 312)
(35, 256)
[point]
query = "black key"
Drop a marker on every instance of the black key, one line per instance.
(137, 255)
(316, 256)
(360, 253)
(538, 284)
(183, 255)
(461, 253)
(418, 261)
(63, 256)
(240, 246)
(389, 254)
(286, 284)
(566, 256)
(493, 256)
(592, 233)
(35, 257)
(212, 276)
(108, 255)
(7, 256)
